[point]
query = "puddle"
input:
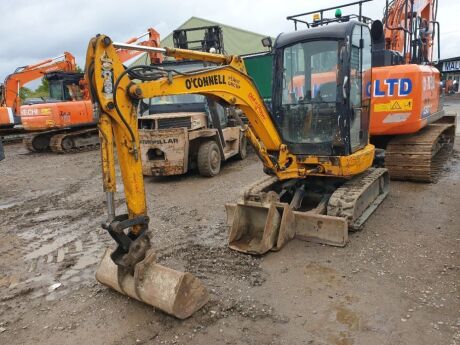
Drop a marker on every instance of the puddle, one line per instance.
(49, 248)
(348, 318)
(321, 274)
(5, 206)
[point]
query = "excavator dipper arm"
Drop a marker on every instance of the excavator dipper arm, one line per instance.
(121, 130)
(131, 268)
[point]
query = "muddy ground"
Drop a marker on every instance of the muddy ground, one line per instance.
(397, 281)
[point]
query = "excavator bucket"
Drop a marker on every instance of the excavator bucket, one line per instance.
(176, 293)
(254, 229)
(257, 229)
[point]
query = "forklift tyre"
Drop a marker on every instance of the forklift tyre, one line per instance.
(209, 159)
(243, 150)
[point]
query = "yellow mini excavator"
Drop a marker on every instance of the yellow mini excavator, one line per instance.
(313, 141)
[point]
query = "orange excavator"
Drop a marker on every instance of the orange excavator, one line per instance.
(407, 118)
(408, 125)
(66, 122)
(10, 100)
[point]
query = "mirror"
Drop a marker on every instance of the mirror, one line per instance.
(344, 87)
(267, 42)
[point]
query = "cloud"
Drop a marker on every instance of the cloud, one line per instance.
(33, 30)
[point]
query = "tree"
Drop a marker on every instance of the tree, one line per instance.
(41, 91)
(25, 92)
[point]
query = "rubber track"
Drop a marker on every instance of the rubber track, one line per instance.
(12, 135)
(56, 141)
(420, 156)
(27, 141)
(343, 201)
(11, 139)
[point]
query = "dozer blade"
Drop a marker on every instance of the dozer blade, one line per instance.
(176, 293)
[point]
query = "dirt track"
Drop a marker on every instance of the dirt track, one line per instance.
(397, 281)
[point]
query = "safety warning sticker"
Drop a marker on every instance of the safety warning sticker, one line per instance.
(394, 106)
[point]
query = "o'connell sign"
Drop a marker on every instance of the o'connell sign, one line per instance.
(450, 66)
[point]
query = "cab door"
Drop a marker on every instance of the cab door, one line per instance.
(359, 74)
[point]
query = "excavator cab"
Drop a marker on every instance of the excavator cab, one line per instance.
(65, 86)
(319, 105)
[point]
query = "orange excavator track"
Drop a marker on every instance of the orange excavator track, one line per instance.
(63, 141)
(420, 156)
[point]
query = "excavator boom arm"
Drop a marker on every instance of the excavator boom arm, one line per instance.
(15, 81)
(227, 82)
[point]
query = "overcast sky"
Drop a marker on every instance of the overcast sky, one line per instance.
(32, 30)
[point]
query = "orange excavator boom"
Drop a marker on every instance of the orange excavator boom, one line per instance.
(152, 41)
(410, 29)
(23, 75)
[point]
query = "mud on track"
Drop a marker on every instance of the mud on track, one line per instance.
(395, 283)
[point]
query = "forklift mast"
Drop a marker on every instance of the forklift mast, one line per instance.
(212, 38)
